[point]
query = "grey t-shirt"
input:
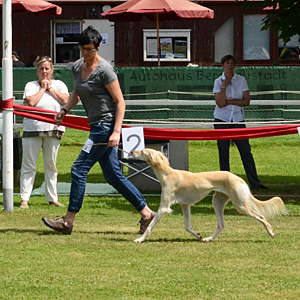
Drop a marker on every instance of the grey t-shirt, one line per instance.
(95, 98)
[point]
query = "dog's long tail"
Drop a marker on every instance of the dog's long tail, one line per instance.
(270, 208)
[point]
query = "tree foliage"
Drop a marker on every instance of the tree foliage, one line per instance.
(283, 16)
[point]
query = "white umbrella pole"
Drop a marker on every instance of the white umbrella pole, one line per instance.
(7, 93)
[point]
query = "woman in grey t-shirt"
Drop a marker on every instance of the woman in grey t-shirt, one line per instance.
(97, 86)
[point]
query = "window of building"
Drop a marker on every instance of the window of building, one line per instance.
(65, 42)
(224, 40)
(175, 44)
(291, 50)
(256, 41)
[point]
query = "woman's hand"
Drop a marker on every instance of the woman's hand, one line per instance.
(73, 100)
(114, 139)
(226, 82)
(116, 93)
(45, 83)
(58, 118)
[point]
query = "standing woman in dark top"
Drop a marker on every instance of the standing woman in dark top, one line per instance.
(97, 86)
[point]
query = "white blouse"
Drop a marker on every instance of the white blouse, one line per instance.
(46, 102)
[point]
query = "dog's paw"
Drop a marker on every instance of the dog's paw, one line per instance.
(139, 240)
(271, 234)
(209, 239)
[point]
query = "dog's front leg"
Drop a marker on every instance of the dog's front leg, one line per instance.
(219, 201)
(186, 209)
(160, 213)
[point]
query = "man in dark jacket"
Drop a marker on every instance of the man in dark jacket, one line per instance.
(16, 62)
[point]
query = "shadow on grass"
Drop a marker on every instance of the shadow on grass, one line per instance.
(119, 235)
(109, 232)
(52, 232)
(217, 240)
(35, 231)
(166, 240)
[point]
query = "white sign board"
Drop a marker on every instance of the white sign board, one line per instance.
(132, 139)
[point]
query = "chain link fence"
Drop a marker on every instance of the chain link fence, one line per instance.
(192, 110)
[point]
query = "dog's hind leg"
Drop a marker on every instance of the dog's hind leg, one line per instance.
(219, 201)
(247, 210)
(240, 198)
(186, 209)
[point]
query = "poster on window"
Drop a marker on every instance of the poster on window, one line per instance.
(180, 49)
(151, 47)
(166, 46)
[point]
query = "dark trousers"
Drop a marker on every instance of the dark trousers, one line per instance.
(245, 153)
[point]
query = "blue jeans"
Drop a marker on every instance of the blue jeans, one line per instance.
(109, 162)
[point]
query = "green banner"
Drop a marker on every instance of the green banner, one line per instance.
(186, 79)
(195, 79)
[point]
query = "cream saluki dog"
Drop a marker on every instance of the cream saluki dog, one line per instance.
(186, 189)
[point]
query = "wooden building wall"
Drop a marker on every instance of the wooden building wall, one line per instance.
(129, 36)
(31, 35)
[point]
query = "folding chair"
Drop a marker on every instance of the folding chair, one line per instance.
(137, 167)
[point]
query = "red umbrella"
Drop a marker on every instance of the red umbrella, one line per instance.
(163, 10)
(40, 7)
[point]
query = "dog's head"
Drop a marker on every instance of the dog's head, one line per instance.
(154, 158)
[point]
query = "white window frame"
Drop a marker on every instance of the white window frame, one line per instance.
(167, 33)
(54, 42)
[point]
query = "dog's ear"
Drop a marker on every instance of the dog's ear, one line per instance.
(158, 159)
(154, 159)
(151, 157)
(164, 159)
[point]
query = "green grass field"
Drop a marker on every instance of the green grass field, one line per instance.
(100, 261)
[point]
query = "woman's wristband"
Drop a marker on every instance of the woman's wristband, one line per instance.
(223, 87)
(49, 88)
(64, 110)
